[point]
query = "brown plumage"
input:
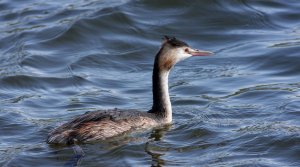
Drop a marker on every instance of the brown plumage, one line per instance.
(93, 126)
(100, 125)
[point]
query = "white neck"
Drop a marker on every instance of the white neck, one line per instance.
(161, 99)
(164, 77)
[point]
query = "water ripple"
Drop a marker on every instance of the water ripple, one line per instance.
(34, 82)
(239, 107)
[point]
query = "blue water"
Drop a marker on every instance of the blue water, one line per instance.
(239, 107)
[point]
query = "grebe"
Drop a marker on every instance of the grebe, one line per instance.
(100, 125)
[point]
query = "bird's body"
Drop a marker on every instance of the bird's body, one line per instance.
(100, 125)
(93, 126)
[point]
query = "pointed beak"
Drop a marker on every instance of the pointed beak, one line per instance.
(196, 52)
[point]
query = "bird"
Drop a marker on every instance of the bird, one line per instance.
(104, 124)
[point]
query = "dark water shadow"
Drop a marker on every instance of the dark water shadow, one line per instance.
(76, 158)
(156, 135)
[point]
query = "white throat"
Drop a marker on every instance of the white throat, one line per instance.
(165, 95)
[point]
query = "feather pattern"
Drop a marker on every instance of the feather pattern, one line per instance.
(92, 126)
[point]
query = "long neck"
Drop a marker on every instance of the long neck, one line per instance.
(161, 99)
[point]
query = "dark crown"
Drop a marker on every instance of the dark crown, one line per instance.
(175, 42)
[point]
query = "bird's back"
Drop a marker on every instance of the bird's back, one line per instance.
(100, 125)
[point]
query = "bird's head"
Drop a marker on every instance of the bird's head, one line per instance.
(173, 50)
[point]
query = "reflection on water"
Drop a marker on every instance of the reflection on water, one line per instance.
(239, 107)
(77, 157)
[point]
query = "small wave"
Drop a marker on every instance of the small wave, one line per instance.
(35, 82)
(287, 43)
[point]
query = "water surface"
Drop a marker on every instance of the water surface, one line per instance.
(239, 107)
